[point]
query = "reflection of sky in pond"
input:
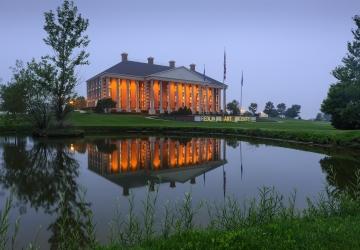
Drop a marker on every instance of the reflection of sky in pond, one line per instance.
(110, 169)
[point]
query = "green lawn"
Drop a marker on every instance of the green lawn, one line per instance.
(295, 130)
(93, 119)
(292, 130)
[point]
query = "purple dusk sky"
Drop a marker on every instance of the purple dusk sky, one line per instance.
(286, 48)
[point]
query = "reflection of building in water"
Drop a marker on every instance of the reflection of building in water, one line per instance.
(132, 162)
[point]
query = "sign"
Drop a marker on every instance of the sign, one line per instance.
(227, 118)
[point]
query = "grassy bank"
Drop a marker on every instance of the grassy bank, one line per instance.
(311, 132)
(321, 233)
(293, 130)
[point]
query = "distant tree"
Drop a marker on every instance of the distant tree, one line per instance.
(104, 105)
(65, 35)
(13, 98)
(293, 111)
(343, 99)
(79, 102)
(233, 107)
(270, 109)
(319, 117)
(253, 108)
(25, 93)
(281, 108)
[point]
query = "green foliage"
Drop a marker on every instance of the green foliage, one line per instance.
(13, 97)
(281, 108)
(39, 101)
(267, 221)
(270, 109)
(28, 87)
(182, 111)
(65, 35)
(293, 111)
(343, 99)
(104, 105)
(233, 107)
(79, 103)
(253, 108)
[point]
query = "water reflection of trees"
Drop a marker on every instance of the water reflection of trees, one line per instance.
(43, 175)
(341, 171)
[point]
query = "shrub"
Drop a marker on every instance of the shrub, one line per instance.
(182, 111)
(104, 105)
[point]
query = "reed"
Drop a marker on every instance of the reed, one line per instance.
(175, 222)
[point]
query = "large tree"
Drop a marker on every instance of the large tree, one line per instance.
(66, 37)
(343, 99)
(270, 109)
(281, 108)
(233, 107)
(293, 111)
(253, 108)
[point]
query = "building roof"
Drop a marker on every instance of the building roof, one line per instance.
(142, 70)
(135, 69)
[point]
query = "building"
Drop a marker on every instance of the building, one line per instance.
(151, 88)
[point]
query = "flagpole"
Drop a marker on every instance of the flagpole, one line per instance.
(224, 78)
(241, 90)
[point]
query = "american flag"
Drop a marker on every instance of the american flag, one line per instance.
(242, 78)
(204, 74)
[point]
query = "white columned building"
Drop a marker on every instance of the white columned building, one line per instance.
(131, 85)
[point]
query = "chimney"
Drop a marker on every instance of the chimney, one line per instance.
(172, 64)
(124, 57)
(192, 67)
(150, 60)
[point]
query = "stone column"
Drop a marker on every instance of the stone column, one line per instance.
(161, 97)
(117, 94)
(137, 96)
(206, 100)
(219, 100)
(186, 94)
(224, 99)
(214, 100)
(108, 93)
(120, 96)
(192, 99)
(128, 96)
(168, 98)
(152, 110)
(177, 96)
(200, 100)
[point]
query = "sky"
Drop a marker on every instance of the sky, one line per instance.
(286, 48)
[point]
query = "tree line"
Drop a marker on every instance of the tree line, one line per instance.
(281, 110)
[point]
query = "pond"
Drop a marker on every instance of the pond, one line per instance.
(110, 170)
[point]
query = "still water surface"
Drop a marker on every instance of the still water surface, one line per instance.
(112, 169)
